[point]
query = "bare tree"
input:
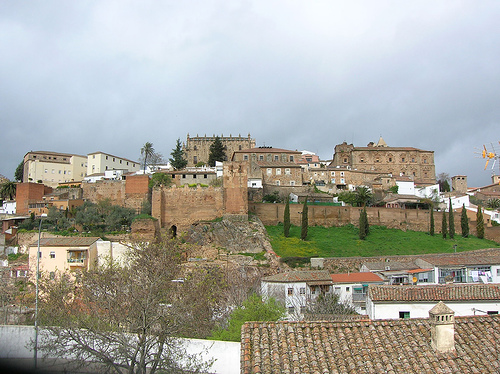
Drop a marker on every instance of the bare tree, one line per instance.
(126, 319)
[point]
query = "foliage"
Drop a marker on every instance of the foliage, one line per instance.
(286, 219)
(451, 221)
(200, 164)
(344, 242)
(360, 197)
(103, 216)
(431, 224)
(394, 189)
(493, 203)
(444, 226)
(216, 182)
(147, 150)
(58, 219)
(217, 152)
(304, 221)
(464, 222)
(124, 318)
(19, 173)
(178, 160)
(160, 179)
(363, 195)
(295, 261)
(329, 304)
(364, 227)
(272, 198)
(146, 207)
(253, 309)
(443, 182)
(8, 190)
(479, 223)
(144, 216)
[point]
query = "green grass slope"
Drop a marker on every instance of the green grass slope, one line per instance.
(344, 242)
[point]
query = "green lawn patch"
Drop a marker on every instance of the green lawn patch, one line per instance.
(344, 242)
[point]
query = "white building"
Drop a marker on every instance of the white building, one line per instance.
(392, 302)
(8, 207)
(99, 162)
(352, 288)
(296, 289)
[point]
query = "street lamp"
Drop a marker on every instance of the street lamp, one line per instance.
(35, 353)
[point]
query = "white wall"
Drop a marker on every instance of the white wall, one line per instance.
(421, 310)
(14, 341)
(405, 188)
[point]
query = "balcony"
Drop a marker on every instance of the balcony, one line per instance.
(77, 258)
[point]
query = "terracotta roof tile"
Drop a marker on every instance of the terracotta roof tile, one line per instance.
(66, 242)
(383, 346)
(356, 277)
(299, 276)
(434, 292)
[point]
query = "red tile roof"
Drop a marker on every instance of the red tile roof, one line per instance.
(383, 346)
(356, 277)
(434, 292)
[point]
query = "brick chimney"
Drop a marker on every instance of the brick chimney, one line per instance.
(442, 320)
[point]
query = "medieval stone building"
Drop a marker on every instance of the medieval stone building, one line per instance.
(381, 159)
(197, 149)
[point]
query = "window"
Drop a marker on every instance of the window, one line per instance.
(194, 176)
(345, 160)
(412, 159)
(245, 157)
(290, 291)
(261, 157)
(106, 157)
(52, 254)
(291, 158)
(342, 173)
(342, 181)
(195, 160)
(287, 171)
(277, 183)
(404, 314)
(302, 290)
(292, 183)
(276, 158)
(402, 159)
(492, 312)
(184, 176)
(205, 176)
(347, 289)
(113, 159)
(291, 310)
(120, 161)
(269, 171)
(278, 171)
(333, 173)
(390, 159)
(333, 180)
(46, 171)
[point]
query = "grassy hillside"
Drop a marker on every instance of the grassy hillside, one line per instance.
(344, 242)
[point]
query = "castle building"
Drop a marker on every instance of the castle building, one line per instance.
(381, 159)
(197, 149)
(52, 168)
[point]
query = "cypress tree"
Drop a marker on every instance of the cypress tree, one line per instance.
(479, 223)
(451, 223)
(444, 226)
(286, 219)
(363, 224)
(431, 230)
(305, 222)
(464, 222)
(217, 152)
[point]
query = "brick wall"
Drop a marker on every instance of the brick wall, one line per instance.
(137, 184)
(117, 192)
(235, 188)
(181, 207)
(29, 192)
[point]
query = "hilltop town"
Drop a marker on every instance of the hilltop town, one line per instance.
(215, 197)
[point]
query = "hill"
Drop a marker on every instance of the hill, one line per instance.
(344, 242)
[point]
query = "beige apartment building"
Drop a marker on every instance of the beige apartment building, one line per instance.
(63, 254)
(51, 168)
(99, 162)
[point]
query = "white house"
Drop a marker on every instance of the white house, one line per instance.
(296, 289)
(99, 162)
(352, 288)
(392, 302)
(8, 207)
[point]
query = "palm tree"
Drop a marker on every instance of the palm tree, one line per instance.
(363, 195)
(147, 151)
(8, 190)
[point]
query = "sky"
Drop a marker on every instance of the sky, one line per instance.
(85, 76)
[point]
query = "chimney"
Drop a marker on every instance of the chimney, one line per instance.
(442, 320)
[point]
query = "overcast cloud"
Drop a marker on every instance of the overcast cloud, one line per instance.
(86, 76)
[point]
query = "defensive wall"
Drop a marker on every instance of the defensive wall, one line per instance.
(129, 193)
